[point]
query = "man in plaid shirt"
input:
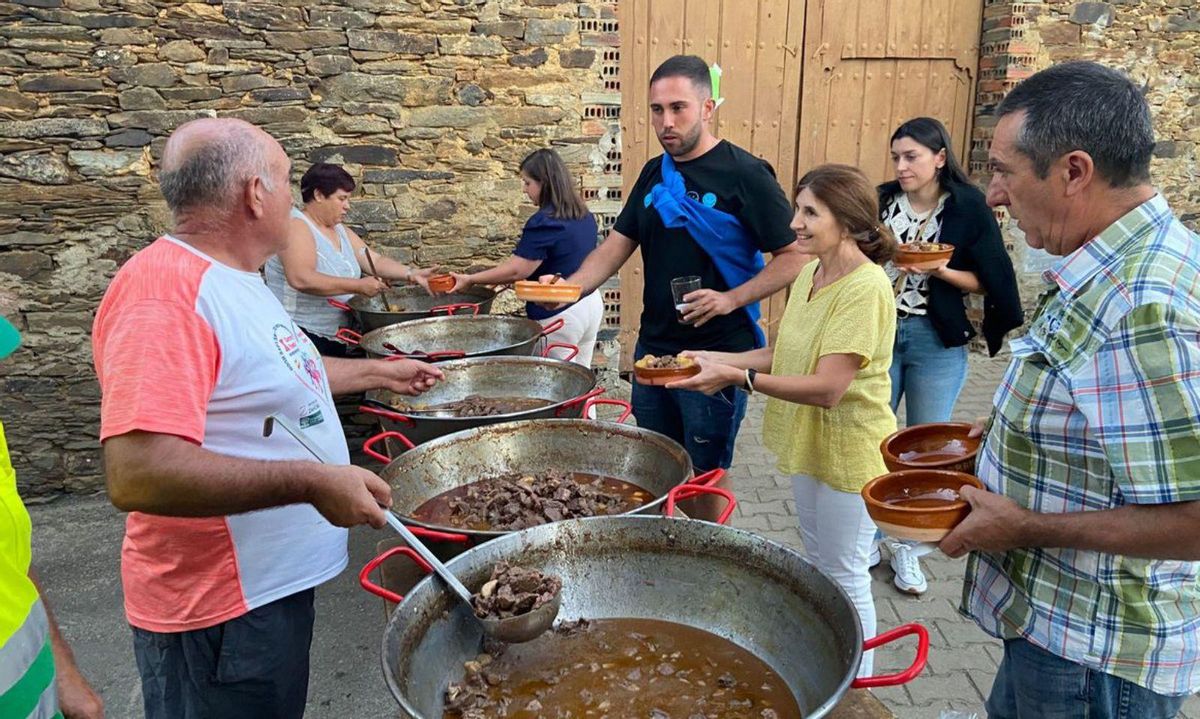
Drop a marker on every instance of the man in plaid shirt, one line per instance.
(1084, 554)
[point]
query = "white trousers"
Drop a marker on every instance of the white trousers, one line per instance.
(837, 533)
(581, 322)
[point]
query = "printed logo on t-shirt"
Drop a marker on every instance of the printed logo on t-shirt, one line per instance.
(298, 353)
(311, 415)
(708, 199)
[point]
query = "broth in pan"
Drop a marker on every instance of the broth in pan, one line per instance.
(621, 668)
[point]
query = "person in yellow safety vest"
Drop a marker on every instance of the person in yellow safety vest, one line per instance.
(38, 675)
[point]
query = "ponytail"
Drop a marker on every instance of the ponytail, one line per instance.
(878, 243)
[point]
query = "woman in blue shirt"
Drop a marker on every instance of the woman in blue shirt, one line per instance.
(555, 240)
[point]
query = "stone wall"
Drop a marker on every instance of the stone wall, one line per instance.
(1156, 41)
(430, 104)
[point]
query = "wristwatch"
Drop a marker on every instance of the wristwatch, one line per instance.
(750, 375)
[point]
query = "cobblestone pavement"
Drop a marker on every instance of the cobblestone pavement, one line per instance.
(962, 659)
(76, 544)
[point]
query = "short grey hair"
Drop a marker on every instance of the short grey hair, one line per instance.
(1084, 106)
(212, 172)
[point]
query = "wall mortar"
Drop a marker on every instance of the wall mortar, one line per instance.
(430, 105)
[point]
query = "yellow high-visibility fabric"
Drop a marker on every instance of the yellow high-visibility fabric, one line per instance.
(17, 592)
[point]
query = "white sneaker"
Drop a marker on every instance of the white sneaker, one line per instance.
(909, 577)
(875, 557)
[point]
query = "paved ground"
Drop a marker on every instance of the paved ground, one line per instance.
(962, 659)
(77, 543)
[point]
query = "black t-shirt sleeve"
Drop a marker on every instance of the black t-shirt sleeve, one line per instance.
(627, 222)
(766, 211)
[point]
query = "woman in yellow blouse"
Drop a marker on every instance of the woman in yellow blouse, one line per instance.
(827, 375)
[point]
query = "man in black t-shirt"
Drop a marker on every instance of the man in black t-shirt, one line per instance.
(722, 177)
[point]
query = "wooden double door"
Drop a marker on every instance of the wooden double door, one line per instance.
(805, 82)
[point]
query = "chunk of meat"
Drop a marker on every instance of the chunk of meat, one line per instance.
(512, 591)
(517, 502)
(663, 362)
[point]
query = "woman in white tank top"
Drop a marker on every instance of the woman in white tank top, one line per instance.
(326, 259)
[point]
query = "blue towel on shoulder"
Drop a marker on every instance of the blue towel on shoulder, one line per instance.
(718, 233)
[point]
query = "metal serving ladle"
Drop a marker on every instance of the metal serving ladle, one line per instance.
(513, 630)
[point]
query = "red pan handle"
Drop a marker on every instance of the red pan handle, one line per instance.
(572, 350)
(348, 336)
(339, 304)
(625, 406)
(435, 536)
(581, 398)
(387, 414)
(369, 445)
(687, 491)
(707, 479)
(554, 326)
(364, 574)
(454, 308)
(906, 676)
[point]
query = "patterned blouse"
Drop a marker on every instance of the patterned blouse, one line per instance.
(912, 296)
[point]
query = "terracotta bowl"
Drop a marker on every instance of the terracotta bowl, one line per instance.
(918, 504)
(939, 445)
(929, 256)
(440, 284)
(530, 291)
(663, 375)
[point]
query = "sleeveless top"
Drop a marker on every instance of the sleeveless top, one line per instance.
(313, 312)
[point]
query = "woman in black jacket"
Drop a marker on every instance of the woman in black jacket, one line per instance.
(932, 200)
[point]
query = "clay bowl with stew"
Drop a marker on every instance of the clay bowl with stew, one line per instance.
(939, 445)
(921, 505)
(530, 291)
(922, 256)
(441, 284)
(656, 376)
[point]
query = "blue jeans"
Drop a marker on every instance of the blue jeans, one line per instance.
(1032, 683)
(705, 426)
(926, 373)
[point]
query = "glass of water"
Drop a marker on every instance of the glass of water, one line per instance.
(680, 288)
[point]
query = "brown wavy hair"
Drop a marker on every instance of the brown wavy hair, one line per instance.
(558, 190)
(849, 195)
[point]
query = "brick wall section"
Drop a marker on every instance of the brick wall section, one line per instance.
(1156, 41)
(430, 104)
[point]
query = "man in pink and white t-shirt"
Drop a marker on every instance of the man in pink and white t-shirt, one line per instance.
(228, 531)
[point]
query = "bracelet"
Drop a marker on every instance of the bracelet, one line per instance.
(750, 374)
